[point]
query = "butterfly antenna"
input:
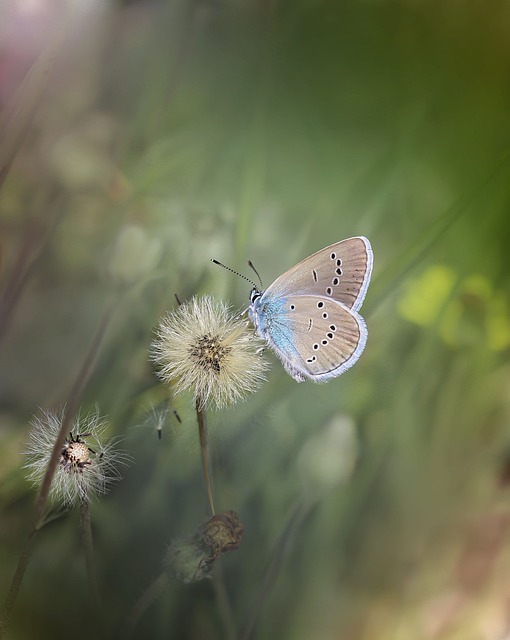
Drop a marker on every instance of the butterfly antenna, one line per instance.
(250, 264)
(235, 272)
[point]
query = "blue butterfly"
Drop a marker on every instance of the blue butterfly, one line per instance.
(309, 315)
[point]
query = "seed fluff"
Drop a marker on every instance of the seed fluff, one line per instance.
(203, 348)
(86, 467)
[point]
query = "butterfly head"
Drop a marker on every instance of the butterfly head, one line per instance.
(255, 294)
(253, 309)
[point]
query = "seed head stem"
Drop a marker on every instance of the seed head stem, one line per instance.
(88, 545)
(148, 597)
(202, 433)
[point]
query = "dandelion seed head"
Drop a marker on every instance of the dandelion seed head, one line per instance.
(203, 348)
(87, 465)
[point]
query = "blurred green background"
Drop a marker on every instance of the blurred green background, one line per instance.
(141, 139)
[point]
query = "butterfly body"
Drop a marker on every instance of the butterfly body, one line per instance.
(309, 315)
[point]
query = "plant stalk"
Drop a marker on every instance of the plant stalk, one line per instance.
(88, 546)
(150, 595)
(202, 433)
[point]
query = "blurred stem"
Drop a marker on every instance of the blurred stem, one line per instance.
(180, 58)
(202, 433)
(224, 608)
(32, 243)
(404, 263)
(88, 546)
(18, 113)
(40, 504)
(150, 595)
(251, 184)
(274, 565)
(223, 603)
(254, 171)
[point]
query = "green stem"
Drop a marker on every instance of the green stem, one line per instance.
(403, 264)
(42, 498)
(16, 582)
(283, 544)
(88, 546)
(202, 432)
(223, 603)
(149, 596)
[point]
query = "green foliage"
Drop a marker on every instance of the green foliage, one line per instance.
(167, 134)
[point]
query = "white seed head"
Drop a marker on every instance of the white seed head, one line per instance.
(86, 465)
(203, 348)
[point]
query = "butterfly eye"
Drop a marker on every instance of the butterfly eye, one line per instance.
(338, 271)
(335, 281)
(339, 262)
(312, 359)
(324, 342)
(292, 307)
(325, 315)
(333, 256)
(329, 291)
(320, 304)
(332, 327)
(330, 335)
(315, 346)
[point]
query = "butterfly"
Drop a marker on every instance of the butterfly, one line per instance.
(309, 315)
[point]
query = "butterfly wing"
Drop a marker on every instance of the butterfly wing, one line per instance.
(315, 337)
(341, 271)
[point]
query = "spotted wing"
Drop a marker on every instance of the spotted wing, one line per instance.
(317, 338)
(341, 271)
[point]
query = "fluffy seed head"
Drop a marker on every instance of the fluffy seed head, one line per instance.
(86, 466)
(203, 348)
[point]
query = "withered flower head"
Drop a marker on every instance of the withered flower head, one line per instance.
(192, 559)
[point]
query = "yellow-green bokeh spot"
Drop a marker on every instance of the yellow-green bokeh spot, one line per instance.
(470, 314)
(427, 295)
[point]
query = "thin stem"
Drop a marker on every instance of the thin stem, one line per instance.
(272, 571)
(16, 582)
(202, 432)
(223, 602)
(41, 500)
(31, 245)
(402, 265)
(18, 114)
(88, 546)
(150, 595)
